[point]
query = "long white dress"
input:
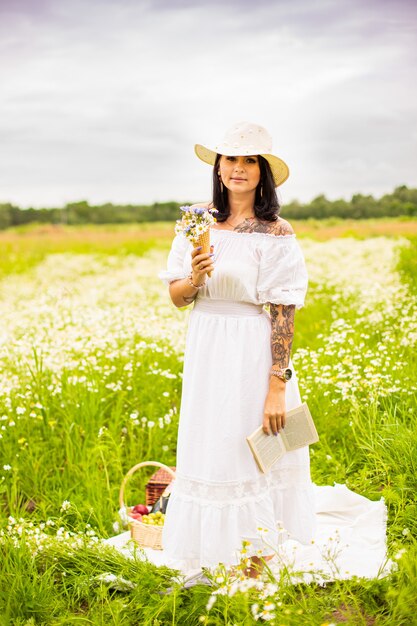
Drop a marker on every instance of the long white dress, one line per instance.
(219, 496)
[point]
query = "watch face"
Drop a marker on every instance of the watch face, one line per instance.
(287, 373)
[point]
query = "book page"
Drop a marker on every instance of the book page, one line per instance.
(265, 448)
(299, 428)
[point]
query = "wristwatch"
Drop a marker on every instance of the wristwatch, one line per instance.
(284, 373)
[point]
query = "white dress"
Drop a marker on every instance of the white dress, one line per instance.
(219, 496)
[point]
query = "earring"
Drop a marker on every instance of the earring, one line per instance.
(261, 191)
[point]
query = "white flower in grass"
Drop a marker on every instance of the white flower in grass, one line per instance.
(269, 606)
(400, 554)
(270, 589)
(65, 506)
(7, 467)
(212, 599)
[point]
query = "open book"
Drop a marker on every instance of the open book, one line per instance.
(299, 431)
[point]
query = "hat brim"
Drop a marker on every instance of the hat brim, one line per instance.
(280, 170)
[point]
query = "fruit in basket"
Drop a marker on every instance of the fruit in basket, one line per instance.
(154, 519)
(140, 508)
(136, 516)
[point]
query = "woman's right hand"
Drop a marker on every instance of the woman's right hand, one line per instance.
(201, 264)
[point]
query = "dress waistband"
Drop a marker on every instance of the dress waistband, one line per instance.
(227, 307)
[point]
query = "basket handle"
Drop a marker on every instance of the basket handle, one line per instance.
(132, 471)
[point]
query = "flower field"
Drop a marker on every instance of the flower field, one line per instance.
(91, 352)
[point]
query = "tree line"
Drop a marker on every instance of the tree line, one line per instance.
(401, 202)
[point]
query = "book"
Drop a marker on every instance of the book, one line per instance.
(299, 431)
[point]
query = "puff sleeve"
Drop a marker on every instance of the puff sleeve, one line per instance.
(282, 277)
(176, 262)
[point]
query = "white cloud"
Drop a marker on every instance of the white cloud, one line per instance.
(104, 101)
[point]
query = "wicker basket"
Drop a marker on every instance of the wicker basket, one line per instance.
(146, 535)
(157, 484)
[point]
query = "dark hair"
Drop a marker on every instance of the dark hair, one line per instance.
(266, 207)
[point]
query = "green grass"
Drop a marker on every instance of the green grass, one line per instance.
(25, 246)
(62, 456)
(81, 440)
(408, 264)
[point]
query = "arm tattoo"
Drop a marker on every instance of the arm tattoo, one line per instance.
(282, 316)
(282, 320)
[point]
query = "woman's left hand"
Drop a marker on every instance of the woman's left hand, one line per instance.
(274, 410)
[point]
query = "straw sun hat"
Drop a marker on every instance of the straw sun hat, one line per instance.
(244, 139)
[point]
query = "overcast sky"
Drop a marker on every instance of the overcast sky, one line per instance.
(104, 100)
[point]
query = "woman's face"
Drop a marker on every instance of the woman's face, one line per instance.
(240, 174)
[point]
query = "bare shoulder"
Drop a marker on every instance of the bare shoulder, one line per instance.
(281, 227)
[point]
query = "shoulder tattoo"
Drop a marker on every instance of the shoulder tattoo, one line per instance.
(280, 227)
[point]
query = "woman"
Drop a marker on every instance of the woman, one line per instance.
(238, 372)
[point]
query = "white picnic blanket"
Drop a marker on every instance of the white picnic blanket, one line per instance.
(350, 541)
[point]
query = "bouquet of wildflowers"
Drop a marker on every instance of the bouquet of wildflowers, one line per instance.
(195, 225)
(195, 221)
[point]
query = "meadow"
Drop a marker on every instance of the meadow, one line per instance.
(91, 353)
